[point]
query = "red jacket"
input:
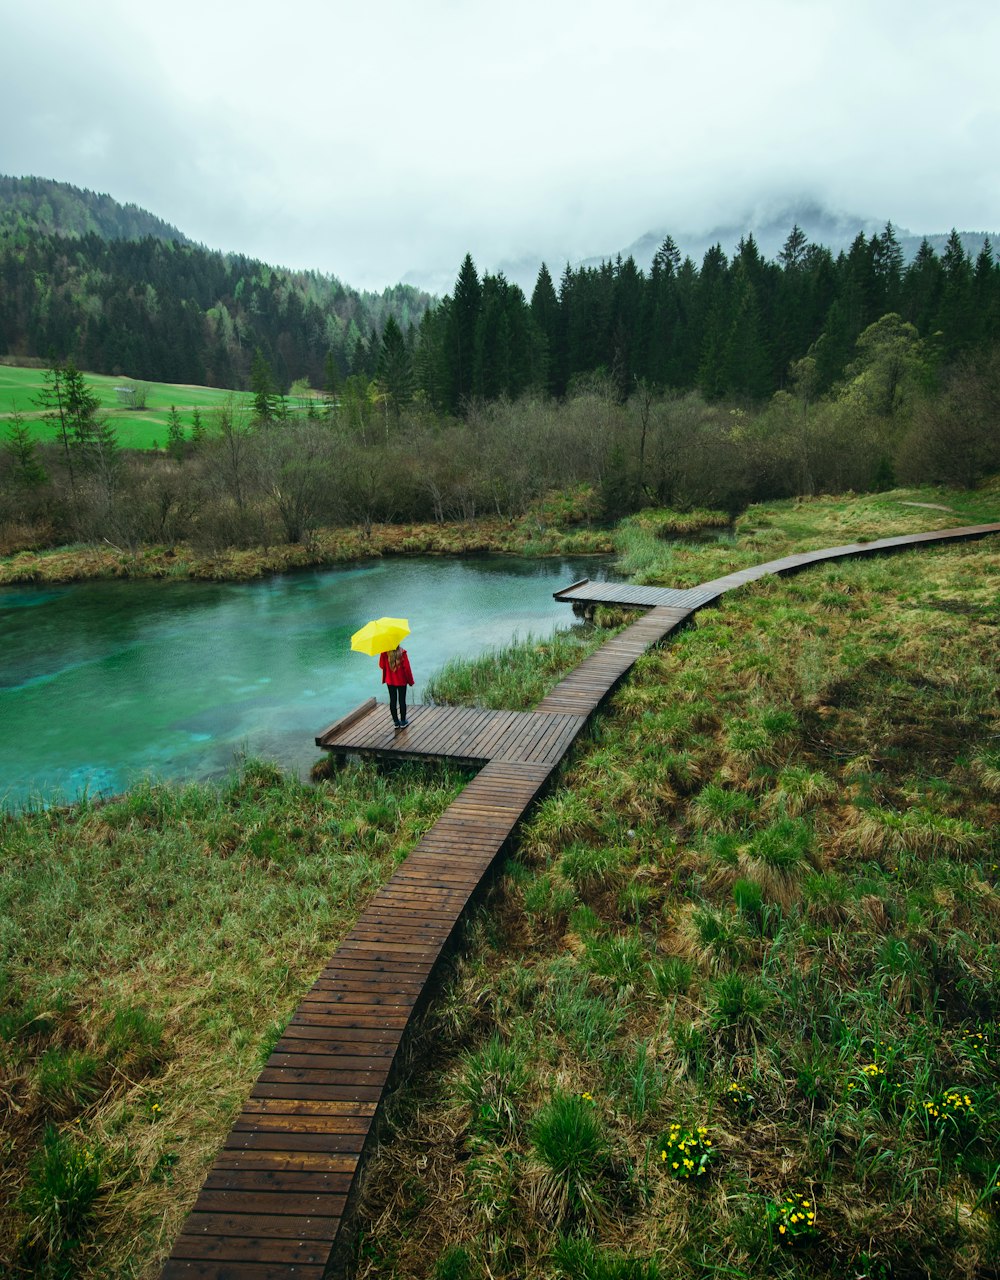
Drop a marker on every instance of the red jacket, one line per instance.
(402, 674)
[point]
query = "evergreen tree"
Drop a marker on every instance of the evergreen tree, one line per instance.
(26, 468)
(175, 434)
(91, 438)
(198, 433)
(331, 378)
(395, 368)
(52, 401)
(463, 321)
(545, 314)
(265, 394)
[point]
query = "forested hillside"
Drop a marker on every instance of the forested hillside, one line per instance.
(30, 205)
(151, 306)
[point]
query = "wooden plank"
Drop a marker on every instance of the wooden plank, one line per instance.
(344, 722)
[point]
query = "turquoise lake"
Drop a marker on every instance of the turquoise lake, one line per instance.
(102, 683)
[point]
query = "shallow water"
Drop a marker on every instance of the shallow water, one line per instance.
(105, 682)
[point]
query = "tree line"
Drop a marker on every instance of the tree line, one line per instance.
(732, 328)
(258, 474)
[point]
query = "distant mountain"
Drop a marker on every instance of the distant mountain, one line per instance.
(834, 231)
(770, 229)
(57, 208)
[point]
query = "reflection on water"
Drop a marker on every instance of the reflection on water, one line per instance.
(103, 682)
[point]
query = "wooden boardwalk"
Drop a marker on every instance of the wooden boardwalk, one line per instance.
(626, 593)
(274, 1202)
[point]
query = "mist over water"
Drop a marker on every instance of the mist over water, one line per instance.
(102, 683)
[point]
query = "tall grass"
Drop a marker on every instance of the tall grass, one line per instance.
(795, 947)
(150, 950)
(516, 676)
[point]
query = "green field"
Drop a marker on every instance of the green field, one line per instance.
(136, 429)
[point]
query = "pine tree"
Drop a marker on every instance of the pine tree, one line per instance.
(463, 320)
(26, 469)
(265, 394)
(198, 433)
(92, 439)
(175, 434)
(395, 368)
(545, 314)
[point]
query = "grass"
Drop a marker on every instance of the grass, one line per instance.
(517, 676)
(771, 865)
(789, 950)
(151, 950)
(135, 429)
(330, 546)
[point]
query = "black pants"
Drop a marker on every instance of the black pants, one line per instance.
(397, 697)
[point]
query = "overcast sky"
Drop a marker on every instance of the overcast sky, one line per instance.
(383, 141)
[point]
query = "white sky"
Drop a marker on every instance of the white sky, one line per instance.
(384, 141)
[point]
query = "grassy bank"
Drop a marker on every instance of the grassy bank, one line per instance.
(151, 950)
(658, 548)
(734, 1011)
(330, 546)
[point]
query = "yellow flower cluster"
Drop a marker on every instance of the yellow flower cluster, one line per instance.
(588, 1097)
(796, 1217)
(952, 1104)
(687, 1152)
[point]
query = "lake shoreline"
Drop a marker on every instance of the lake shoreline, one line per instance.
(331, 547)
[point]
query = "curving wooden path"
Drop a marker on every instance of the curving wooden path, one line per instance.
(274, 1202)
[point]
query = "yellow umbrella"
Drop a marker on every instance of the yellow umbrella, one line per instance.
(380, 636)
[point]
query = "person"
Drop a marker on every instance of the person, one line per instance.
(397, 675)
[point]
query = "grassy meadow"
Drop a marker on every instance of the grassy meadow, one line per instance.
(135, 428)
(152, 950)
(732, 1011)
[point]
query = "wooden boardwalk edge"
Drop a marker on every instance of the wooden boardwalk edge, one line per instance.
(278, 1199)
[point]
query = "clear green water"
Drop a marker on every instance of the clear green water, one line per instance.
(105, 682)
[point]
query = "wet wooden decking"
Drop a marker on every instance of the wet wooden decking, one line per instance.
(274, 1202)
(627, 593)
(465, 734)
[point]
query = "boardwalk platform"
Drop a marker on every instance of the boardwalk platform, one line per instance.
(274, 1203)
(628, 594)
(464, 734)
